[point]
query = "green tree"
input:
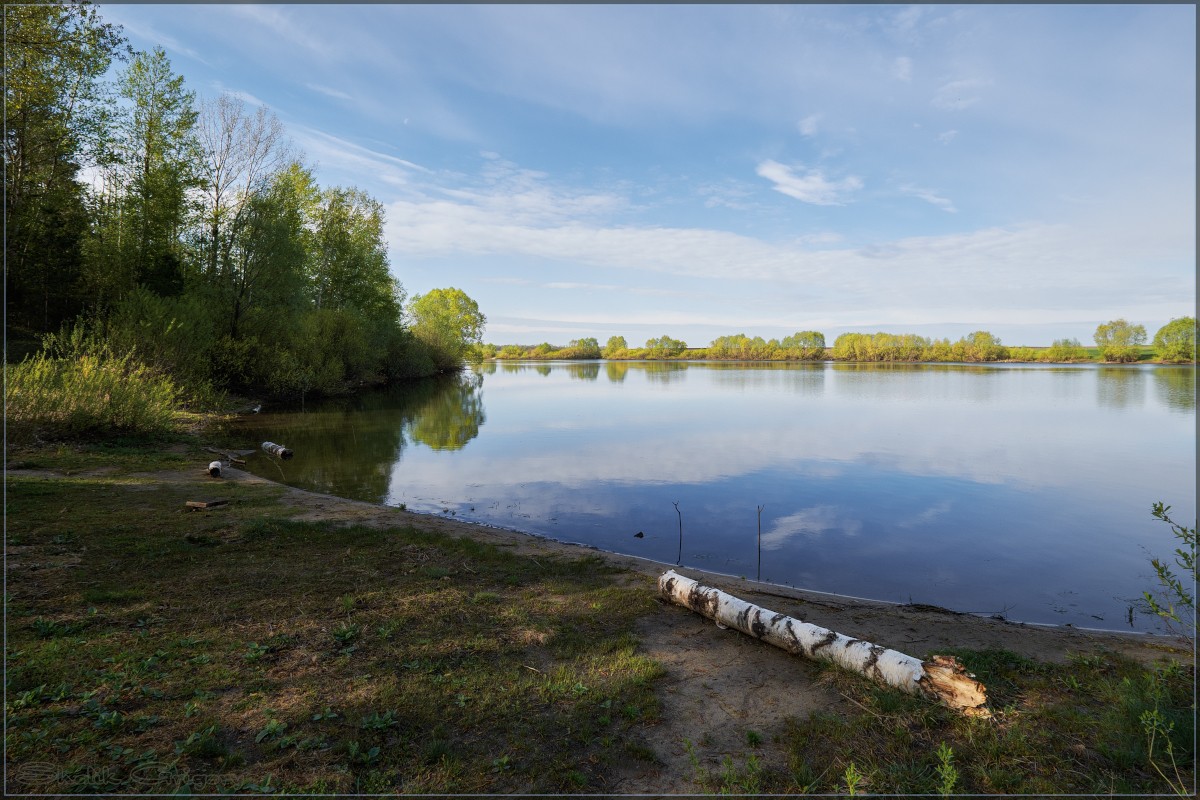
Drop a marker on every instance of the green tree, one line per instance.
(809, 344)
(665, 347)
(448, 322)
(614, 347)
(1120, 341)
(1064, 350)
(983, 346)
(56, 109)
(144, 205)
(586, 347)
(1176, 341)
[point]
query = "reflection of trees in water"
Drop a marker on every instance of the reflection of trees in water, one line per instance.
(918, 382)
(451, 417)
(542, 369)
(662, 371)
(584, 370)
(616, 371)
(348, 446)
(1175, 387)
(796, 377)
(1120, 387)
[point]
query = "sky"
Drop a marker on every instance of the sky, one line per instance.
(705, 170)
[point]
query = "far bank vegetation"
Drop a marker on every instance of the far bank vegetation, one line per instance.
(1117, 341)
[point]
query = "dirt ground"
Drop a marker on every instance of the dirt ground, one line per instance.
(720, 684)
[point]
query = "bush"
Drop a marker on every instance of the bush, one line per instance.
(1065, 350)
(78, 387)
(1176, 341)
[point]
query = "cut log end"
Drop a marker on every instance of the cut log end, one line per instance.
(948, 682)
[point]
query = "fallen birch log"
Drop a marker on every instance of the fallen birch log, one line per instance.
(214, 469)
(277, 450)
(941, 679)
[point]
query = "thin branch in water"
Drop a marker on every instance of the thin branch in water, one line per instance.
(675, 503)
(760, 510)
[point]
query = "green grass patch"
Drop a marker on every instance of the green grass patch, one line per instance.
(289, 656)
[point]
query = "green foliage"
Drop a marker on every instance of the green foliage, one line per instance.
(1174, 601)
(615, 347)
(1176, 341)
(1120, 341)
(664, 347)
(55, 109)
(448, 322)
(1066, 350)
(79, 386)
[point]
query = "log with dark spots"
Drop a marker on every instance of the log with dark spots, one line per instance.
(873, 660)
(759, 629)
(829, 639)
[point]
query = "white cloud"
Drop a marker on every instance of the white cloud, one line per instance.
(325, 90)
(946, 137)
(811, 186)
(902, 69)
(808, 125)
(930, 197)
(957, 95)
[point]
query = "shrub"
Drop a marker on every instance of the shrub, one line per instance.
(78, 387)
(1176, 341)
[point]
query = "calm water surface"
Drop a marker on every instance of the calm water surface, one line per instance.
(1022, 490)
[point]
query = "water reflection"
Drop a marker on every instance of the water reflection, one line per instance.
(888, 481)
(616, 371)
(348, 446)
(1175, 387)
(451, 417)
(1120, 387)
(584, 370)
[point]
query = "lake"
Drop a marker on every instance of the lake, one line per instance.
(1012, 489)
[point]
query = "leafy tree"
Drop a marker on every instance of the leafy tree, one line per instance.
(664, 347)
(1176, 341)
(582, 348)
(982, 346)
(448, 322)
(810, 344)
(614, 346)
(1064, 350)
(56, 109)
(1120, 341)
(143, 207)
(348, 259)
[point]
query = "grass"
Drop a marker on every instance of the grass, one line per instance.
(297, 656)
(152, 650)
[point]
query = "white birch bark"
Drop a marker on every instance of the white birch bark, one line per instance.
(941, 678)
(277, 450)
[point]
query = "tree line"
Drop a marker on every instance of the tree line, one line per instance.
(190, 233)
(1117, 341)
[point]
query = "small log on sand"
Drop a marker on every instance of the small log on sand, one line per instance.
(941, 679)
(214, 469)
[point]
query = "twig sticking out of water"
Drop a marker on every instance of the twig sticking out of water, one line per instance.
(675, 503)
(760, 510)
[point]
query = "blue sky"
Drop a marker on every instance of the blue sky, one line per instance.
(704, 170)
